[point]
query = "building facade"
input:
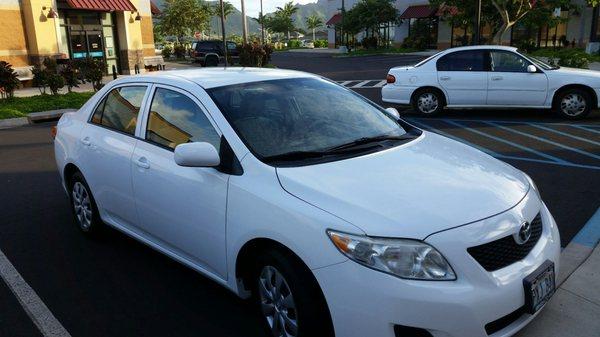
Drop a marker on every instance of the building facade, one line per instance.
(119, 32)
(580, 29)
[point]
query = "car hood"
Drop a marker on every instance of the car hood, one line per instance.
(566, 71)
(427, 185)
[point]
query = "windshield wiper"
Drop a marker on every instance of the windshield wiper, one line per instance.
(369, 140)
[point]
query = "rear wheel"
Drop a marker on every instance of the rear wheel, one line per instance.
(83, 205)
(428, 101)
(289, 297)
(573, 103)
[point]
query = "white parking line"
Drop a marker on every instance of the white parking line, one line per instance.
(39, 313)
(360, 84)
(346, 83)
(380, 84)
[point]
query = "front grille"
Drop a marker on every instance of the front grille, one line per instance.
(505, 251)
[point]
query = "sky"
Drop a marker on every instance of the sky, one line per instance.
(253, 6)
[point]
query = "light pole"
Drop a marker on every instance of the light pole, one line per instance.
(342, 22)
(223, 31)
(244, 24)
(477, 32)
(262, 22)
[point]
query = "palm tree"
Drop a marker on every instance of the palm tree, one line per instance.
(287, 11)
(313, 22)
(228, 9)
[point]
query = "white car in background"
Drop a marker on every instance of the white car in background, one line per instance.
(491, 77)
(332, 214)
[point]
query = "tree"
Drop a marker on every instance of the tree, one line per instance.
(313, 22)
(284, 17)
(228, 9)
(184, 17)
(370, 16)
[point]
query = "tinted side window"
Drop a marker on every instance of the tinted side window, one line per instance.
(470, 60)
(504, 61)
(176, 119)
(119, 109)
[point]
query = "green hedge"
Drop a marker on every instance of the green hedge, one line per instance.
(567, 57)
(21, 106)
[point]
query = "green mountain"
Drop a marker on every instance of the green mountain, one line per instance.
(233, 24)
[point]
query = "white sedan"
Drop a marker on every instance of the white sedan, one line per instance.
(333, 215)
(491, 77)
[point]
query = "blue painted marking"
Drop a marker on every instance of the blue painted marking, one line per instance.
(589, 235)
(566, 134)
(543, 140)
(496, 154)
(519, 146)
(588, 128)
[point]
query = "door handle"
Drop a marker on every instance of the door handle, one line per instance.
(143, 163)
(497, 78)
(444, 78)
(86, 141)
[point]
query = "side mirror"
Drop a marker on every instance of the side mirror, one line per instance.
(531, 69)
(393, 112)
(197, 155)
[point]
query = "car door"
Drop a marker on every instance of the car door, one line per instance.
(182, 209)
(463, 76)
(107, 144)
(509, 83)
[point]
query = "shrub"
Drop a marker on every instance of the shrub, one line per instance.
(294, 44)
(255, 55)
(179, 51)
(55, 82)
(369, 42)
(527, 46)
(92, 71)
(70, 72)
(8, 80)
(573, 58)
(320, 43)
(167, 51)
(40, 78)
(415, 42)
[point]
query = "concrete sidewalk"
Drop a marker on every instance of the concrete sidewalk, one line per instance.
(574, 310)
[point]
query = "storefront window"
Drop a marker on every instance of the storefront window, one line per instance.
(544, 36)
(463, 35)
(426, 28)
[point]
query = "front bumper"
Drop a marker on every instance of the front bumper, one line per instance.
(364, 302)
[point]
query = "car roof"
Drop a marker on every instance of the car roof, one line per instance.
(220, 76)
(481, 47)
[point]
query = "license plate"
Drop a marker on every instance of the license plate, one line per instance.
(539, 287)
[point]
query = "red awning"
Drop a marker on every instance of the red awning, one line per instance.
(420, 11)
(335, 19)
(154, 8)
(102, 5)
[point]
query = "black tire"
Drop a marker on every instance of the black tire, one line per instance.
(89, 224)
(428, 101)
(568, 103)
(311, 312)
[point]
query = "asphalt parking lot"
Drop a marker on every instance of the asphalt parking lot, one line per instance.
(115, 286)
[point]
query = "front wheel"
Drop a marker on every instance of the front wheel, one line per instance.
(289, 297)
(428, 102)
(573, 104)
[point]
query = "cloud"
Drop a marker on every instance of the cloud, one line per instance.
(253, 6)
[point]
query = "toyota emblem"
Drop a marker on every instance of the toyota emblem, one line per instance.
(524, 233)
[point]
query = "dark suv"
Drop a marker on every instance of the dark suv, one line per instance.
(205, 51)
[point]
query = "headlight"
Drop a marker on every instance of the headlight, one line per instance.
(410, 259)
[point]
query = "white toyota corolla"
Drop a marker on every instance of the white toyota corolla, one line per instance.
(335, 216)
(492, 77)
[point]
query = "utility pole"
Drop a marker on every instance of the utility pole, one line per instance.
(342, 23)
(477, 32)
(244, 24)
(262, 22)
(223, 31)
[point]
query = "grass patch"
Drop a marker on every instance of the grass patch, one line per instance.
(21, 106)
(365, 52)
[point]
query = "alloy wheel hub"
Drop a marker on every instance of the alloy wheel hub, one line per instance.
(427, 103)
(277, 303)
(82, 205)
(573, 104)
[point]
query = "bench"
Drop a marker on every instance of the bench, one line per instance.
(154, 62)
(24, 73)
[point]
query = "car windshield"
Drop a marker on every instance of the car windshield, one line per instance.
(541, 64)
(278, 118)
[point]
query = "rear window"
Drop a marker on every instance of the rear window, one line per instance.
(468, 60)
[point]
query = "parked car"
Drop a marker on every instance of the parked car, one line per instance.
(492, 77)
(335, 216)
(202, 49)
